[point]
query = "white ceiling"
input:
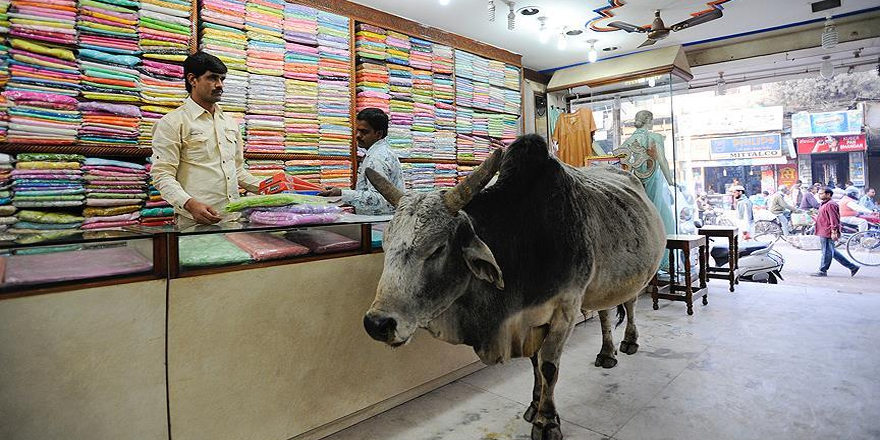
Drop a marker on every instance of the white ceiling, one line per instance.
(469, 18)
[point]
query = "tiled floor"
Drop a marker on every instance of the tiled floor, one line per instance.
(767, 362)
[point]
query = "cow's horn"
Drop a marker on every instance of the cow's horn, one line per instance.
(389, 191)
(458, 197)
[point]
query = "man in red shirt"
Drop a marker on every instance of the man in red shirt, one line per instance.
(828, 230)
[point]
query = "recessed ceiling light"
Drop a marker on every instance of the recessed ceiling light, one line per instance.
(574, 32)
(610, 48)
(528, 11)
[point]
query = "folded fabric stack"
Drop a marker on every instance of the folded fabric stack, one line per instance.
(38, 117)
(264, 133)
(235, 93)
(264, 168)
(464, 171)
(444, 91)
(444, 145)
(264, 24)
(165, 34)
(481, 123)
(300, 24)
(371, 72)
(4, 16)
(464, 120)
(4, 117)
(511, 77)
(398, 48)
(496, 99)
(334, 103)
(402, 109)
(482, 92)
(223, 33)
(445, 175)
(421, 55)
(109, 124)
(510, 128)
(46, 180)
(512, 102)
(210, 250)
(109, 77)
(301, 62)
(263, 246)
(444, 117)
(369, 42)
(480, 69)
(482, 148)
(109, 27)
(464, 92)
(156, 211)
(496, 73)
(465, 147)
(302, 131)
(464, 64)
(336, 173)
(7, 220)
(298, 214)
(115, 193)
(423, 145)
(442, 60)
(6, 167)
(418, 176)
(423, 105)
(308, 170)
(50, 21)
(320, 241)
(42, 222)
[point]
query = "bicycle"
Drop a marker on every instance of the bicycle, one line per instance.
(770, 231)
(863, 247)
(716, 216)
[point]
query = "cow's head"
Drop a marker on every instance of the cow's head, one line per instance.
(431, 254)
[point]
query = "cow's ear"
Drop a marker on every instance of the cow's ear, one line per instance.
(482, 263)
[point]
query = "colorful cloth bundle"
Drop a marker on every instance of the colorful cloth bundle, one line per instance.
(421, 55)
(114, 184)
(210, 250)
(109, 124)
(6, 167)
(157, 211)
(445, 175)
(108, 26)
(464, 171)
(109, 77)
(4, 117)
(224, 41)
(300, 24)
(511, 78)
(89, 264)
(308, 170)
(226, 13)
(264, 133)
(42, 117)
(398, 48)
(298, 214)
(465, 147)
(235, 92)
(266, 246)
(444, 145)
(165, 29)
(302, 131)
(442, 60)
(336, 173)
(496, 73)
(45, 180)
(321, 241)
(418, 176)
(52, 21)
(264, 168)
(334, 93)
(4, 16)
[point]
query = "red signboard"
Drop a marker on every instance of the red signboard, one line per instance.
(787, 174)
(831, 144)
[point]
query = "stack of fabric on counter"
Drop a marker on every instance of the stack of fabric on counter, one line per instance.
(264, 168)
(511, 77)
(397, 49)
(421, 55)
(53, 22)
(41, 93)
(45, 222)
(334, 93)
(285, 209)
(308, 170)
(336, 173)
(264, 23)
(442, 60)
(464, 171)
(300, 24)
(418, 176)
(445, 175)
(109, 124)
(115, 193)
(157, 211)
(47, 180)
(302, 131)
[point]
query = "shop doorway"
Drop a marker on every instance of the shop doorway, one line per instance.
(831, 167)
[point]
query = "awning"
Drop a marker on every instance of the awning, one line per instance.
(655, 62)
(740, 162)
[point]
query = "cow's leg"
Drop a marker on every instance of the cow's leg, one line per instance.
(629, 344)
(530, 413)
(546, 425)
(605, 358)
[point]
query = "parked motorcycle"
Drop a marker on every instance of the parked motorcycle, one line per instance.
(758, 262)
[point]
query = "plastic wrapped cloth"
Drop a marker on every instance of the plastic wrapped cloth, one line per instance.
(273, 200)
(265, 246)
(210, 250)
(90, 263)
(105, 212)
(299, 209)
(322, 242)
(290, 219)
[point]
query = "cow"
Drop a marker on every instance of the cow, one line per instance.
(507, 268)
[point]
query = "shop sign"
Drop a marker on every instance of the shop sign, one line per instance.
(805, 168)
(747, 147)
(842, 122)
(721, 121)
(857, 168)
(831, 144)
(788, 174)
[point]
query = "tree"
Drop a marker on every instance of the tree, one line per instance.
(816, 94)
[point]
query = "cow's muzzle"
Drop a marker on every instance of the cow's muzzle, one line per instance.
(380, 327)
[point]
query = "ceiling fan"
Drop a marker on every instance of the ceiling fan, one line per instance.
(658, 31)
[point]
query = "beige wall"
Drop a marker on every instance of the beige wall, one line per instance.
(86, 364)
(268, 354)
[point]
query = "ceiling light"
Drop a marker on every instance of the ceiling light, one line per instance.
(561, 43)
(511, 17)
(592, 54)
(829, 35)
(720, 84)
(574, 32)
(543, 34)
(490, 8)
(826, 69)
(444, 2)
(529, 11)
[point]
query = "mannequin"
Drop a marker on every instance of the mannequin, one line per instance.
(646, 158)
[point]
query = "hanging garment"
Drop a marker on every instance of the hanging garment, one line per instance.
(574, 134)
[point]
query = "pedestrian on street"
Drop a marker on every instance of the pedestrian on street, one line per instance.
(828, 230)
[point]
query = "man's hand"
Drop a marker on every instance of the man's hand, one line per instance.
(330, 192)
(835, 236)
(202, 213)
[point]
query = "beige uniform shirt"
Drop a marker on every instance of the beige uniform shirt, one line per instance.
(201, 156)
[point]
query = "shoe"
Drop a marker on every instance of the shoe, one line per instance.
(819, 274)
(853, 272)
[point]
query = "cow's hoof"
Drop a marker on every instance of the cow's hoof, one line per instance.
(530, 413)
(605, 361)
(628, 347)
(550, 431)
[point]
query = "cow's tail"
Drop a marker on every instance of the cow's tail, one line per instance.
(621, 315)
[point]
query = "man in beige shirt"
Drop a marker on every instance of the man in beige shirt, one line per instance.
(198, 154)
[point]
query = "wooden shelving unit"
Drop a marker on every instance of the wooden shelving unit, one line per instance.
(85, 150)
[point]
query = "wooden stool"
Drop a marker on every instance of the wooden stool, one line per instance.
(729, 273)
(683, 243)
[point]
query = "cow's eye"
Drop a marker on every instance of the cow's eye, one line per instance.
(437, 252)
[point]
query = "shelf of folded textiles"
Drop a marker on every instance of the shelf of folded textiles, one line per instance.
(292, 156)
(86, 150)
(426, 160)
(486, 110)
(490, 84)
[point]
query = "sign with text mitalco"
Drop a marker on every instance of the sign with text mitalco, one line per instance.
(747, 147)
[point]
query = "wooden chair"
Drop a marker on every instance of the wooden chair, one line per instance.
(671, 291)
(731, 233)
